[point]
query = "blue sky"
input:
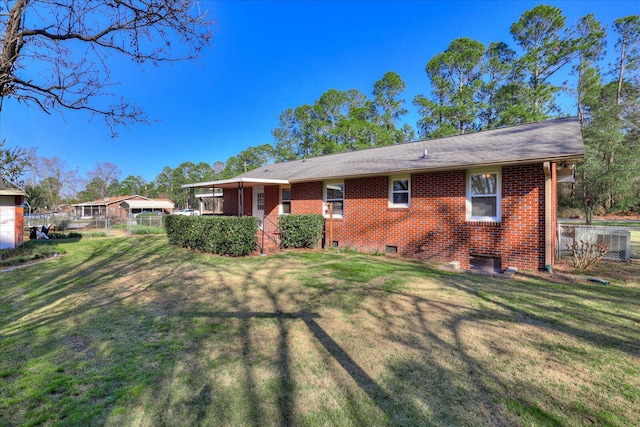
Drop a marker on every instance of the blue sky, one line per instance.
(264, 58)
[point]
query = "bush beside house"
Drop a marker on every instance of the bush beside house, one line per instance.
(219, 235)
(301, 231)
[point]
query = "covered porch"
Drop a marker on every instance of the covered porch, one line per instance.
(260, 198)
(245, 196)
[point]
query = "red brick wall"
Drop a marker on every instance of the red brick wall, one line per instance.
(434, 226)
(306, 198)
(272, 200)
(230, 201)
(19, 225)
(523, 217)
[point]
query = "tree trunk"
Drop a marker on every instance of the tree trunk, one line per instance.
(11, 45)
(620, 79)
(588, 214)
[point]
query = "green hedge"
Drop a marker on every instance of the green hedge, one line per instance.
(301, 231)
(219, 235)
(56, 235)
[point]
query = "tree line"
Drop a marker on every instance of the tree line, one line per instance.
(474, 87)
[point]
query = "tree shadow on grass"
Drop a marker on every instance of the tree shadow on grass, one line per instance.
(377, 394)
(102, 265)
(498, 304)
(572, 315)
(135, 351)
(474, 394)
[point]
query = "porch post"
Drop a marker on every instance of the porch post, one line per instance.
(240, 199)
(548, 215)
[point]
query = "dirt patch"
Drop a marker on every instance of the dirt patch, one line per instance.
(616, 272)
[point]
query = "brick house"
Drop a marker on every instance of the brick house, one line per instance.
(485, 198)
(12, 200)
(112, 206)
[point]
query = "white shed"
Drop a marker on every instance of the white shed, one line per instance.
(11, 215)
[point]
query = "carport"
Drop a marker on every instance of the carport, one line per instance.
(147, 206)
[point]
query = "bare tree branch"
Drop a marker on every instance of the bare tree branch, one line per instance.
(55, 53)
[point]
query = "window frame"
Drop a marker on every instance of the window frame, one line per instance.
(325, 200)
(497, 195)
(260, 200)
(283, 201)
(392, 192)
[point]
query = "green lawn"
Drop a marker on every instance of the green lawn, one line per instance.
(130, 331)
(635, 242)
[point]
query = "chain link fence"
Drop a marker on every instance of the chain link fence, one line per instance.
(616, 240)
(134, 224)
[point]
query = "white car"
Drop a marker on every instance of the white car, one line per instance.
(187, 212)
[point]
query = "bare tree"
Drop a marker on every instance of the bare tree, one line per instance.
(103, 176)
(56, 180)
(55, 52)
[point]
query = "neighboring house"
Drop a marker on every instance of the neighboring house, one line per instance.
(485, 198)
(210, 203)
(111, 207)
(66, 209)
(11, 215)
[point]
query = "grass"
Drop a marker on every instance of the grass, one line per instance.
(635, 243)
(629, 223)
(145, 229)
(129, 331)
(32, 250)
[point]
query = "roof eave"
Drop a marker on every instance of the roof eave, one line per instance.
(235, 182)
(564, 158)
(12, 192)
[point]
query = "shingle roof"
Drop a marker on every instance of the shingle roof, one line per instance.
(112, 200)
(552, 140)
(147, 204)
(9, 189)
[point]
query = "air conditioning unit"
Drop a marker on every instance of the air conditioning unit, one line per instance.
(618, 240)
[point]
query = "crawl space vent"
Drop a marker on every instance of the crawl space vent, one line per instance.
(485, 263)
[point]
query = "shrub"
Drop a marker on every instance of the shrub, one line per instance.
(584, 253)
(57, 235)
(301, 231)
(219, 235)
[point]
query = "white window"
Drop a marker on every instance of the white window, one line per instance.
(285, 200)
(260, 198)
(399, 192)
(334, 195)
(483, 195)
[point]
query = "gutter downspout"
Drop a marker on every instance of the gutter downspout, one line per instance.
(548, 216)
